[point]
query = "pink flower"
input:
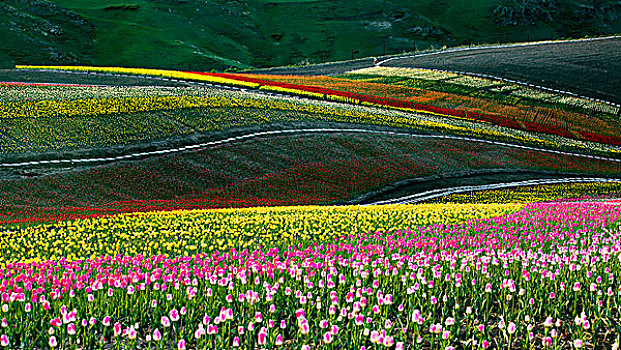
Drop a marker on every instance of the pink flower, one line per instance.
(174, 315)
(71, 329)
(117, 329)
(485, 344)
(578, 343)
(165, 321)
(388, 341)
(283, 324)
(511, 328)
(387, 324)
(262, 336)
(181, 345)
(304, 328)
(4, 340)
(279, 340)
(399, 346)
(106, 321)
(211, 329)
(299, 313)
(52, 341)
(131, 333)
(236, 342)
(327, 338)
(375, 336)
(157, 335)
(359, 320)
(56, 322)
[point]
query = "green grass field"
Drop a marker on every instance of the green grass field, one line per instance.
(197, 35)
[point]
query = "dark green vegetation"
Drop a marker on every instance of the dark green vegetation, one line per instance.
(203, 35)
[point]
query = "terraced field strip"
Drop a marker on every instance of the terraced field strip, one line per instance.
(254, 135)
(423, 196)
(589, 67)
(516, 82)
(274, 88)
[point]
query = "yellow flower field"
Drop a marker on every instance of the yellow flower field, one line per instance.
(190, 232)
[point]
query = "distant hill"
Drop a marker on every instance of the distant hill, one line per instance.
(220, 34)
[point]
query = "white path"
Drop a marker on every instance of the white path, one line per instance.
(199, 146)
(419, 197)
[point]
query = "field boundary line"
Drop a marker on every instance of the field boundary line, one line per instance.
(515, 82)
(431, 194)
(497, 46)
(200, 146)
(505, 46)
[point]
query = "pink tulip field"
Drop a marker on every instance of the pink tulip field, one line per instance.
(543, 277)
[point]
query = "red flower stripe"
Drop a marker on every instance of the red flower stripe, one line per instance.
(398, 103)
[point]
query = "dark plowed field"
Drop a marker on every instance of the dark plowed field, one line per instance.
(591, 68)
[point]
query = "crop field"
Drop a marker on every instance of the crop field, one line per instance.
(477, 99)
(585, 67)
(168, 209)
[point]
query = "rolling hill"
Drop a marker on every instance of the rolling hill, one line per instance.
(204, 35)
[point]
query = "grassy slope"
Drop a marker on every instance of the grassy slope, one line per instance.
(220, 34)
(39, 31)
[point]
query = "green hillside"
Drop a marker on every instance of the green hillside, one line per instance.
(220, 34)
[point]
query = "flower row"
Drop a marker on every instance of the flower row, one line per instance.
(543, 277)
